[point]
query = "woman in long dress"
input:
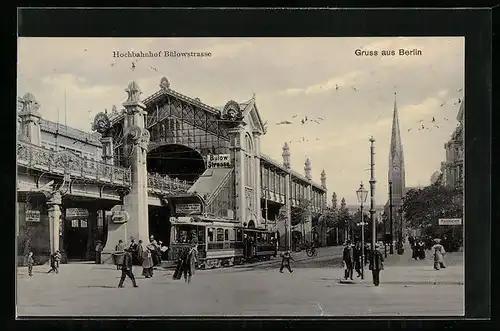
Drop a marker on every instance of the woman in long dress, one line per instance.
(147, 262)
(439, 252)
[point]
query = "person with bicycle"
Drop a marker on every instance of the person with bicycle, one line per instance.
(311, 250)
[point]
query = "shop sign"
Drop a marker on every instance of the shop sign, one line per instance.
(33, 216)
(190, 208)
(450, 221)
(218, 161)
(77, 212)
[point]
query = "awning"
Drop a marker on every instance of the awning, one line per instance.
(208, 183)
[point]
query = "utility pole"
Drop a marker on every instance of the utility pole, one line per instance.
(372, 193)
(391, 250)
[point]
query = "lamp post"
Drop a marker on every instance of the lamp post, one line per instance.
(372, 195)
(391, 248)
(362, 194)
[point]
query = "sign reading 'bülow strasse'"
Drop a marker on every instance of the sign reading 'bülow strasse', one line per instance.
(219, 161)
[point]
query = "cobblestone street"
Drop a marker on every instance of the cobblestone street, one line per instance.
(90, 290)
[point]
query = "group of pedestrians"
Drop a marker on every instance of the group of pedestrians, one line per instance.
(353, 259)
(146, 255)
(186, 263)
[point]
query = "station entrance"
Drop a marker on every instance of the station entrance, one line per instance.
(159, 224)
(176, 161)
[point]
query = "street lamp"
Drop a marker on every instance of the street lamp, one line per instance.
(362, 194)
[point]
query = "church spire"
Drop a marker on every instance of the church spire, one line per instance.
(396, 144)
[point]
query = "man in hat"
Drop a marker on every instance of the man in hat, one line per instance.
(126, 268)
(348, 259)
(376, 264)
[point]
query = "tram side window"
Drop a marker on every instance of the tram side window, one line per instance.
(210, 234)
(239, 235)
(226, 235)
(220, 234)
(74, 223)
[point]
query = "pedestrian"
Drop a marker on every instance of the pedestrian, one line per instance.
(285, 261)
(376, 264)
(30, 263)
(358, 254)
(439, 252)
(120, 248)
(190, 263)
(133, 249)
(126, 268)
(54, 262)
(98, 251)
(348, 259)
(147, 261)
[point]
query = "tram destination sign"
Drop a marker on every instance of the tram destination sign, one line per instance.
(33, 216)
(218, 161)
(450, 221)
(188, 208)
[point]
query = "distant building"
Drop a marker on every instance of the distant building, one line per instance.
(453, 167)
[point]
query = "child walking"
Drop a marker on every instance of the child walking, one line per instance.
(285, 261)
(30, 263)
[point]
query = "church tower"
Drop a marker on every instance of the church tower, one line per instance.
(397, 172)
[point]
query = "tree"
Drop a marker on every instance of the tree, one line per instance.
(300, 215)
(344, 218)
(422, 208)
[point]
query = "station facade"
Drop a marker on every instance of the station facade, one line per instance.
(155, 158)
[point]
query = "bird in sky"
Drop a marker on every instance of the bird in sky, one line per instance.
(433, 119)
(85, 50)
(459, 100)
(336, 87)
(113, 64)
(460, 90)
(445, 118)
(442, 104)
(154, 68)
(133, 65)
(284, 122)
(303, 122)
(321, 118)
(295, 116)
(355, 89)
(409, 130)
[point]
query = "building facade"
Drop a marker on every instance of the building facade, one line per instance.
(143, 163)
(452, 168)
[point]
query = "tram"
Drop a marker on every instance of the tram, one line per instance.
(221, 243)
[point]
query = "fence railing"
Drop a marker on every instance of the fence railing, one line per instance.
(168, 185)
(66, 162)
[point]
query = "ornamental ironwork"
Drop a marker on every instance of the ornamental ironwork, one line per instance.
(101, 123)
(167, 185)
(62, 163)
(232, 113)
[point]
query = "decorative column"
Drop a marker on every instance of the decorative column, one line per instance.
(30, 120)
(136, 144)
(237, 136)
(131, 219)
(288, 197)
(55, 229)
(107, 150)
(323, 204)
(257, 179)
(308, 174)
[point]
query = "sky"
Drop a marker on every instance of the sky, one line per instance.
(291, 77)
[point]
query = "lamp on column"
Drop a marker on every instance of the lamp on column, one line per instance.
(362, 194)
